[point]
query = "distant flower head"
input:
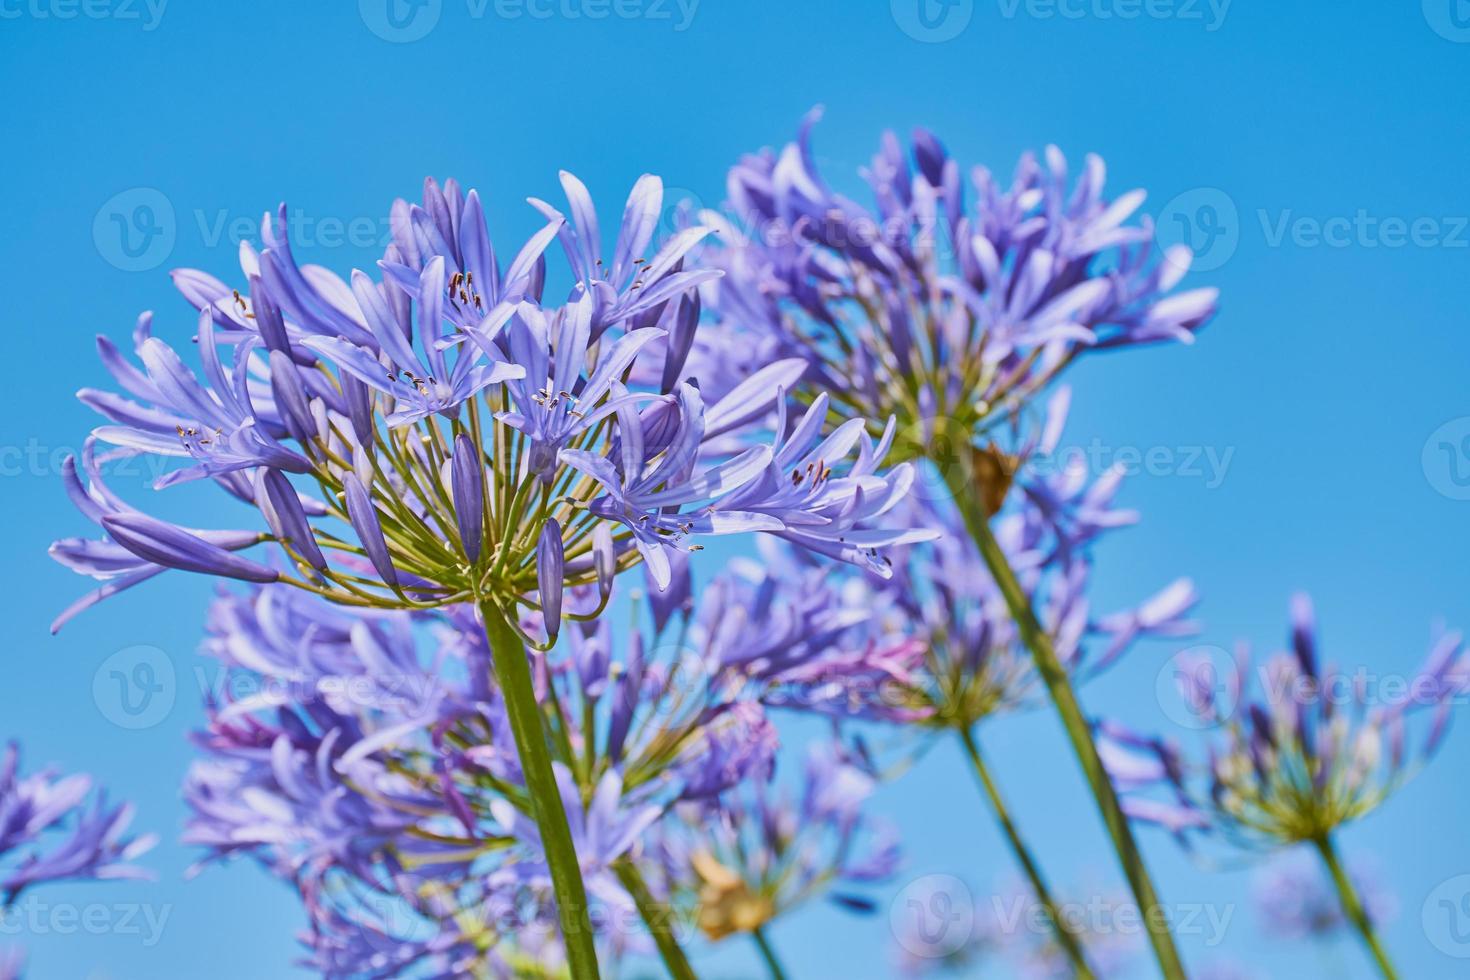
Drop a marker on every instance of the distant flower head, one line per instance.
(1296, 900)
(760, 852)
(53, 828)
(953, 297)
(963, 660)
(448, 433)
(1315, 749)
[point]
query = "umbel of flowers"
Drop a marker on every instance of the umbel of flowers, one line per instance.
(949, 304)
(1316, 749)
(442, 432)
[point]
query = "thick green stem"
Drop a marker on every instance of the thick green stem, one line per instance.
(1068, 940)
(768, 953)
(514, 675)
(659, 919)
(1352, 906)
(1079, 733)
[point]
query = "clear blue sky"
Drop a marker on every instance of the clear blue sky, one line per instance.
(1320, 153)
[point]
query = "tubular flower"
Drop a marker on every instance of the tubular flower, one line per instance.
(1316, 749)
(947, 300)
(417, 440)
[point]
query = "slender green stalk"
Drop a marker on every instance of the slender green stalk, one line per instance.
(1352, 906)
(1073, 720)
(659, 919)
(514, 675)
(768, 953)
(1065, 937)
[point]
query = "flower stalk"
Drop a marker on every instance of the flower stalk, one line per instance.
(768, 954)
(514, 675)
(977, 521)
(1066, 938)
(1352, 906)
(659, 920)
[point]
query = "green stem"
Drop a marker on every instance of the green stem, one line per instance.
(1352, 906)
(1079, 733)
(1065, 937)
(514, 675)
(773, 965)
(659, 919)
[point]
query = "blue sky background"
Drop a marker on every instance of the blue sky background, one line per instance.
(1336, 359)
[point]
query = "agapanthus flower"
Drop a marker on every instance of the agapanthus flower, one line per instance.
(449, 414)
(1295, 899)
(470, 441)
(758, 853)
(55, 828)
(1317, 748)
(949, 299)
